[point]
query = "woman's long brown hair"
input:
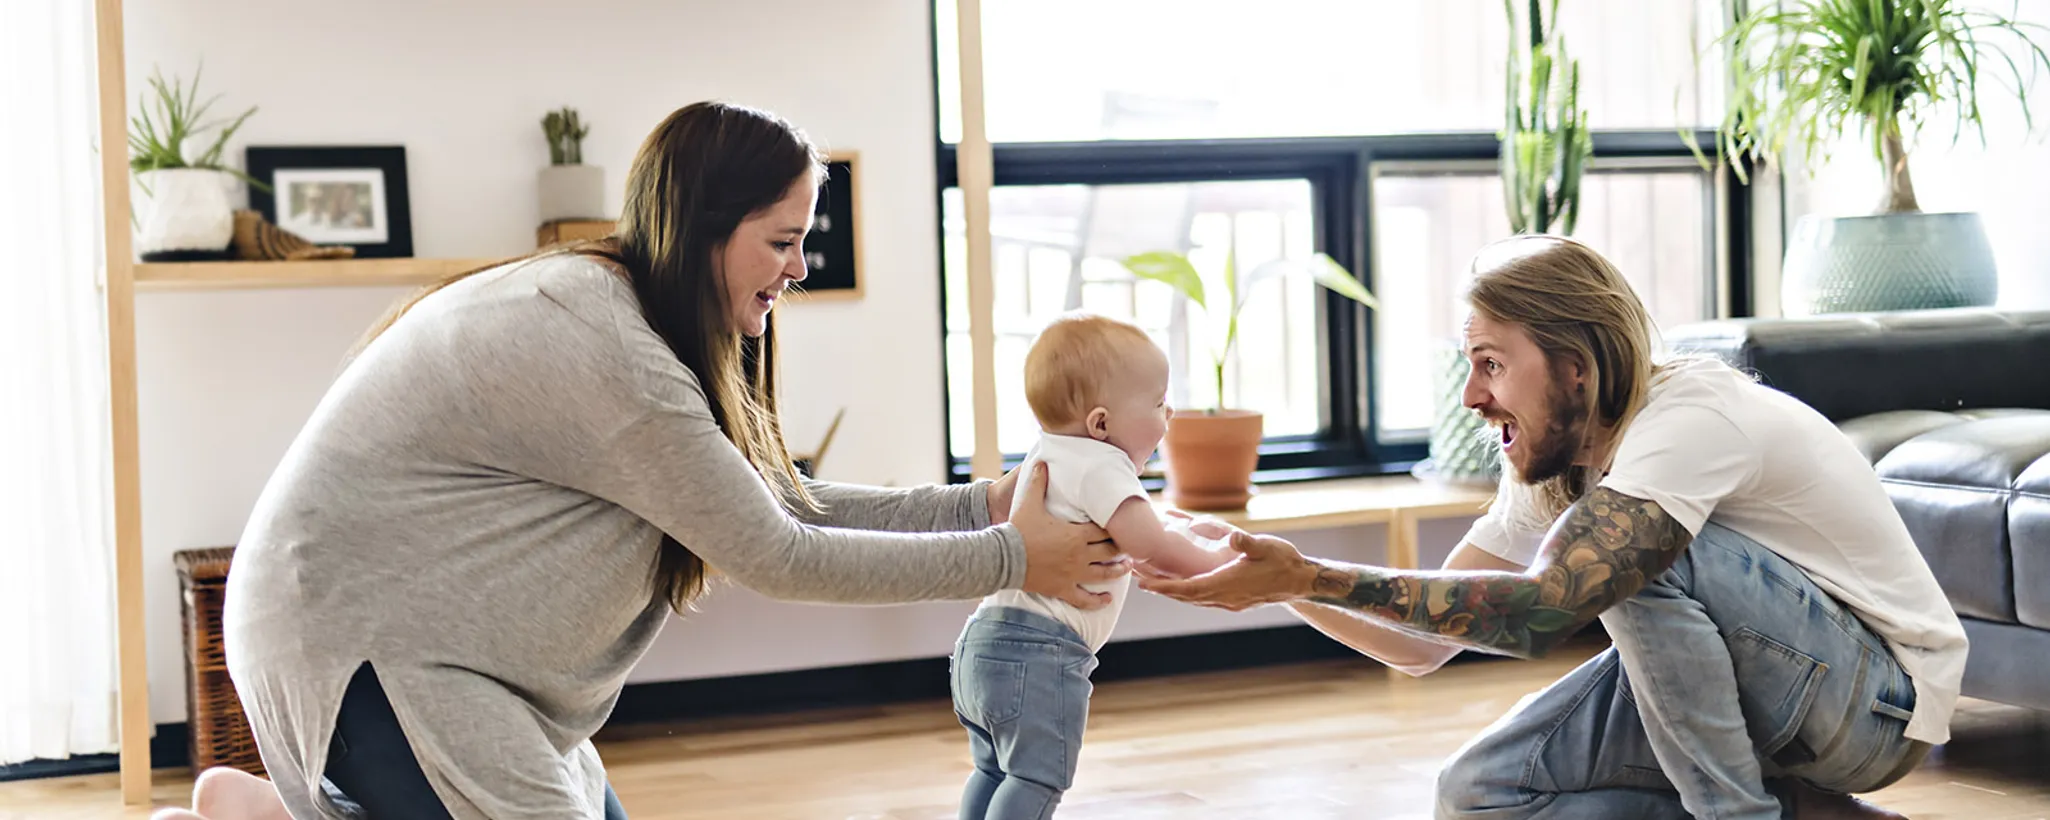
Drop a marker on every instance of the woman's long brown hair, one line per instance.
(703, 170)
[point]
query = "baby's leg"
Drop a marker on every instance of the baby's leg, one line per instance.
(1038, 749)
(232, 794)
(175, 814)
(980, 701)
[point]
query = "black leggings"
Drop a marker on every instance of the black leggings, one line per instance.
(372, 765)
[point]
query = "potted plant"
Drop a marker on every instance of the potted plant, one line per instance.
(569, 188)
(1211, 452)
(1546, 148)
(183, 206)
(1804, 72)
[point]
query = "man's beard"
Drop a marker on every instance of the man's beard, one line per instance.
(1552, 451)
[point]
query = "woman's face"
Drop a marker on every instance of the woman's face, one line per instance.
(764, 256)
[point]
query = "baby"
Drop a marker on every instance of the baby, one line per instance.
(222, 793)
(1021, 668)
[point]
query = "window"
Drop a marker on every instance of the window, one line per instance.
(1076, 70)
(1055, 248)
(1652, 219)
(1127, 126)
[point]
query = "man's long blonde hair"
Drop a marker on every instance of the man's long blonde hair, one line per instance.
(1579, 309)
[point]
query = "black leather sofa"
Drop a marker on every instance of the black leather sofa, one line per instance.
(1953, 409)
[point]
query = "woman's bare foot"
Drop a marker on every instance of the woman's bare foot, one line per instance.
(222, 793)
(1811, 803)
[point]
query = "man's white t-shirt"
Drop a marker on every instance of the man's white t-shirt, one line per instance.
(1713, 445)
(1086, 482)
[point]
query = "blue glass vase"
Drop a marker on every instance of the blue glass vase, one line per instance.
(1882, 262)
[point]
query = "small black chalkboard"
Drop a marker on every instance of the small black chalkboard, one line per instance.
(832, 250)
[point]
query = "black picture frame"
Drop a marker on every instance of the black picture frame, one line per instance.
(832, 250)
(342, 168)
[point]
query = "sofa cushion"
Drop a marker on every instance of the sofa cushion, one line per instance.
(1955, 482)
(2028, 528)
(1851, 365)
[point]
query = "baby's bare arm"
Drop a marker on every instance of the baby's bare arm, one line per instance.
(1137, 529)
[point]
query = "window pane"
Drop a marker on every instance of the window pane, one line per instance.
(1058, 70)
(1056, 248)
(1654, 225)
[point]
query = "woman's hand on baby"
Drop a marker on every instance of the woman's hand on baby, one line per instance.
(1061, 556)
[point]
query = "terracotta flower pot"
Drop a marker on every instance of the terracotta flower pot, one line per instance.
(1210, 459)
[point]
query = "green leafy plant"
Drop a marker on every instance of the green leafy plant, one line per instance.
(1176, 271)
(565, 132)
(171, 115)
(1803, 72)
(1546, 145)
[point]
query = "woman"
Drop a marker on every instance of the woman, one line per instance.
(484, 523)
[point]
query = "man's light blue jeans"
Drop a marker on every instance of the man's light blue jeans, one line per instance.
(1021, 688)
(1729, 672)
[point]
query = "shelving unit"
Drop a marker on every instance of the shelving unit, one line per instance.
(124, 278)
(324, 273)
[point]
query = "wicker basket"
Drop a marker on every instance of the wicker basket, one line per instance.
(219, 731)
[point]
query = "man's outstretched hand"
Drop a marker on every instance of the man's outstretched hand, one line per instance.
(1267, 570)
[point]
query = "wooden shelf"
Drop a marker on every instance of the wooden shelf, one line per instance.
(324, 273)
(1316, 505)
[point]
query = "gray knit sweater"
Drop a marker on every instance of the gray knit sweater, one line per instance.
(475, 509)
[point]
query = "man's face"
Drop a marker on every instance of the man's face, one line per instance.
(1534, 404)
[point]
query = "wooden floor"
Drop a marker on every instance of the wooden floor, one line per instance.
(1323, 740)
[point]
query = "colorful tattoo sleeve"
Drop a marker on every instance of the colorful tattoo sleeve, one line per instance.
(1604, 549)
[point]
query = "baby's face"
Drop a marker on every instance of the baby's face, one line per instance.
(1137, 410)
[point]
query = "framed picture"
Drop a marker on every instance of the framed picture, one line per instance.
(336, 195)
(832, 251)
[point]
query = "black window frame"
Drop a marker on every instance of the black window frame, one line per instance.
(1339, 171)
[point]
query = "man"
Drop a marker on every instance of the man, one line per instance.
(1779, 643)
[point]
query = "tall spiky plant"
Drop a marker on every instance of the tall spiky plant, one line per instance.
(1805, 71)
(1545, 142)
(565, 132)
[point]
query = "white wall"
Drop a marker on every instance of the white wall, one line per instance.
(227, 378)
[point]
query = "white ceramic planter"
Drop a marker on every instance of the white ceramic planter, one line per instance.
(572, 192)
(183, 213)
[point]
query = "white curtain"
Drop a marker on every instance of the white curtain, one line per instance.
(57, 685)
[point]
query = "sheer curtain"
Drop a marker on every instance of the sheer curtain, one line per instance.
(57, 686)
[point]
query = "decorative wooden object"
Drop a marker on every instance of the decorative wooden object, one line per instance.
(563, 231)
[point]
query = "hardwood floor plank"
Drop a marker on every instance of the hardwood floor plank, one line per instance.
(1335, 739)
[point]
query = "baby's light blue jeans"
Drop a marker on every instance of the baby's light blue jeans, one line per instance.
(1021, 688)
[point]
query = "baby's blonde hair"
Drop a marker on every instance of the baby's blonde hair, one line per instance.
(1074, 362)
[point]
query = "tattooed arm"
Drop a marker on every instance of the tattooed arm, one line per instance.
(1601, 551)
(1604, 549)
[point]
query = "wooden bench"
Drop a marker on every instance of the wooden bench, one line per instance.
(1399, 502)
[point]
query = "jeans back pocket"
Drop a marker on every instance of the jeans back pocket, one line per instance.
(987, 690)
(1776, 685)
